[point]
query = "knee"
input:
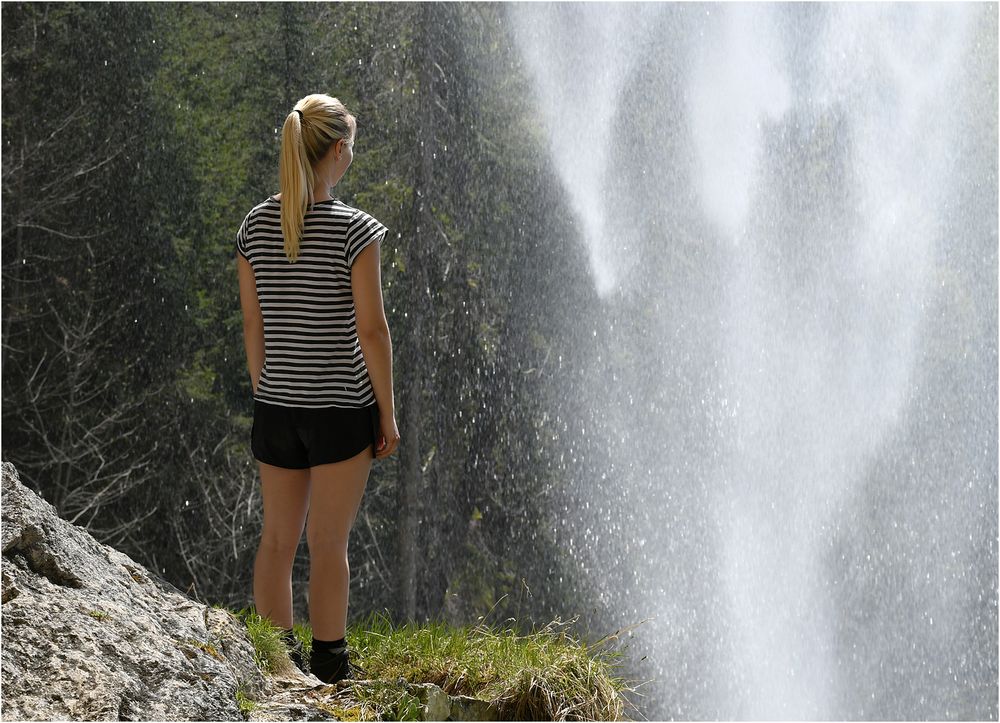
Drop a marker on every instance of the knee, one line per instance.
(326, 542)
(276, 546)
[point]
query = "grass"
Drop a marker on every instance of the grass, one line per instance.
(544, 675)
(245, 702)
(265, 636)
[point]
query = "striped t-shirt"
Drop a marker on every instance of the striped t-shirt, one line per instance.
(312, 357)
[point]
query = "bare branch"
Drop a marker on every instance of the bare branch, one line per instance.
(75, 237)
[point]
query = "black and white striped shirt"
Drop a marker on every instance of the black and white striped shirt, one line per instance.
(312, 357)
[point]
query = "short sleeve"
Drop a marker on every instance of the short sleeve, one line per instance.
(241, 237)
(361, 231)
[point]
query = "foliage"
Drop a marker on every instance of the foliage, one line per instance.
(127, 401)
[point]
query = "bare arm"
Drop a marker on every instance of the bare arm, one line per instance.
(253, 320)
(373, 329)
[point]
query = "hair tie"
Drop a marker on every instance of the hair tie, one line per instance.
(301, 117)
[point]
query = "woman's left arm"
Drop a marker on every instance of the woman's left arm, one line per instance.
(253, 320)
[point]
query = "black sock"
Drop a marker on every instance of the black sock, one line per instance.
(329, 645)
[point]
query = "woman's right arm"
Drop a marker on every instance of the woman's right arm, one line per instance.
(253, 320)
(373, 336)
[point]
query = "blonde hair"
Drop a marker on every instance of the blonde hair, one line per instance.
(305, 140)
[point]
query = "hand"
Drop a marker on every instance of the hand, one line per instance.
(389, 439)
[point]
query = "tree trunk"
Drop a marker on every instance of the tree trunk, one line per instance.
(411, 468)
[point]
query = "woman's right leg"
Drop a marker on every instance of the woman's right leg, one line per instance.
(335, 496)
(286, 499)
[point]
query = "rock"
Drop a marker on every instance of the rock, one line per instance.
(436, 703)
(88, 633)
(464, 707)
(439, 705)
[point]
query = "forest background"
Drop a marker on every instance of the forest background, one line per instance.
(135, 139)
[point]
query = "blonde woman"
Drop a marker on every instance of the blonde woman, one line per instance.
(320, 361)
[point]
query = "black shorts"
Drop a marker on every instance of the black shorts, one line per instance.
(300, 437)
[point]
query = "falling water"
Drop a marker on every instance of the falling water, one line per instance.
(770, 199)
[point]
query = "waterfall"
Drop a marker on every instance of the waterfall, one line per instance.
(767, 196)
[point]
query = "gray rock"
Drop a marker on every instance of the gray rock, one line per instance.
(88, 633)
(464, 707)
(439, 705)
(435, 702)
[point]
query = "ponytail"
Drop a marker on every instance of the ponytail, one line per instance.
(304, 143)
(296, 182)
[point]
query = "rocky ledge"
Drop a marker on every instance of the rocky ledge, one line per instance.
(89, 633)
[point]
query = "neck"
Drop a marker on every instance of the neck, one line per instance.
(317, 196)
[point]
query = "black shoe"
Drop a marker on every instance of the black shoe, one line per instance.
(331, 666)
(295, 651)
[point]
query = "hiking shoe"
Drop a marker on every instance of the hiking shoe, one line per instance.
(295, 650)
(331, 666)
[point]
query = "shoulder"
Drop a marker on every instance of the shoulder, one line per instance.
(351, 213)
(361, 218)
(347, 210)
(356, 220)
(266, 209)
(266, 204)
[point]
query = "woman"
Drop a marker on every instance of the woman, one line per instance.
(320, 361)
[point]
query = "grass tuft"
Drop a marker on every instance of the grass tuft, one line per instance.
(245, 702)
(545, 675)
(266, 638)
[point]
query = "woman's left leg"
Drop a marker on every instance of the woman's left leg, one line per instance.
(286, 503)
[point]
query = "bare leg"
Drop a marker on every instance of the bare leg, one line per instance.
(286, 501)
(337, 489)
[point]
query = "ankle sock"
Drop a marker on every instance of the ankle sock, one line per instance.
(329, 645)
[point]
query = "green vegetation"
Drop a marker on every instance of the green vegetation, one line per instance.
(265, 636)
(246, 703)
(122, 318)
(544, 675)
